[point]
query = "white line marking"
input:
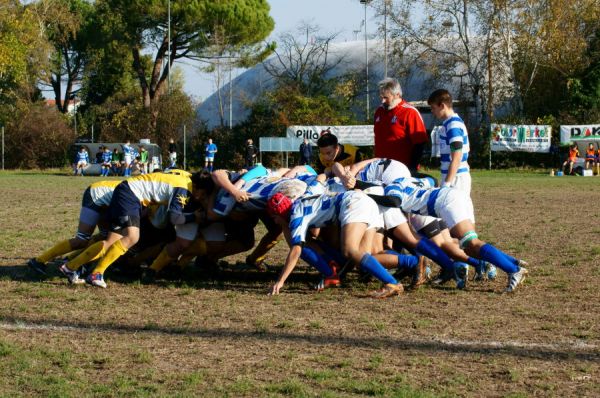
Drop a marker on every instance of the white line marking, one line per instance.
(565, 345)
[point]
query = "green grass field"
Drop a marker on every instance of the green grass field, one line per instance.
(225, 337)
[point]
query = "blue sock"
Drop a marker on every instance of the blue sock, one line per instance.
(501, 260)
(405, 261)
(475, 262)
(369, 264)
(315, 260)
(429, 249)
(331, 254)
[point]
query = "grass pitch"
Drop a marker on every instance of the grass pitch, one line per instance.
(224, 337)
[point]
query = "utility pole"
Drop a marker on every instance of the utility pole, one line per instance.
(385, 51)
(366, 61)
(169, 46)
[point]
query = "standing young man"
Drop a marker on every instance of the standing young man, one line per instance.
(249, 154)
(400, 133)
(209, 155)
(305, 152)
(172, 153)
(454, 142)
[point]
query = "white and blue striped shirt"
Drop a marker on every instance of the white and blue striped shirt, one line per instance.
(314, 212)
(453, 130)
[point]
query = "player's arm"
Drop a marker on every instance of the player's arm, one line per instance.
(358, 166)
(290, 263)
(221, 179)
(456, 155)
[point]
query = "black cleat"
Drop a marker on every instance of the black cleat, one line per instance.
(38, 267)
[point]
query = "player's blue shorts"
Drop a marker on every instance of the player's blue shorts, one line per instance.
(125, 209)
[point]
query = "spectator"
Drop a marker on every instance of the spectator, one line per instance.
(143, 160)
(81, 161)
(99, 155)
(128, 157)
(209, 155)
(250, 152)
(590, 157)
(117, 162)
(305, 152)
(106, 162)
(172, 153)
(573, 155)
(400, 133)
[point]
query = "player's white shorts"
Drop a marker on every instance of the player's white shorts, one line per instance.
(392, 216)
(454, 206)
(214, 232)
(173, 157)
(209, 158)
(418, 222)
(358, 207)
(186, 231)
(128, 159)
(82, 163)
(462, 181)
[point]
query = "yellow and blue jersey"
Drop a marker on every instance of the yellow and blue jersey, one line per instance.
(172, 190)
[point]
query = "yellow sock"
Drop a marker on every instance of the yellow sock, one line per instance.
(61, 247)
(161, 261)
(74, 254)
(151, 252)
(197, 248)
(112, 254)
(92, 253)
(260, 252)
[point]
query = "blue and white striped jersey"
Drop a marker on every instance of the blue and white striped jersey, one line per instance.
(82, 156)
(383, 171)
(259, 190)
(453, 130)
(418, 195)
(313, 212)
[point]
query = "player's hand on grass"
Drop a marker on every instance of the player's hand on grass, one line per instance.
(275, 289)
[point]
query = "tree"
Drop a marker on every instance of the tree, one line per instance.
(453, 42)
(23, 52)
(302, 61)
(68, 25)
(142, 25)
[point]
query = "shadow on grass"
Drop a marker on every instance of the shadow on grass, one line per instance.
(544, 352)
(194, 277)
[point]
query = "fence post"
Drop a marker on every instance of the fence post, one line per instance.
(184, 149)
(2, 147)
(489, 135)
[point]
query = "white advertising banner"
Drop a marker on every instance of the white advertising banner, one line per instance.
(355, 135)
(589, 132)
(520, 138)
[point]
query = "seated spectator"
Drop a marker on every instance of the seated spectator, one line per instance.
(99, 155)
(117, 162)
(143, 160)
(81, 161)
(590, 157)
(573, 155)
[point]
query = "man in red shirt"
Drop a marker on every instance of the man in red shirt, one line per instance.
(400, 133)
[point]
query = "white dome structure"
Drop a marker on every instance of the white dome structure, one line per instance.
(349, 57)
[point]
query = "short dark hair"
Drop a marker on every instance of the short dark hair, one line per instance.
(440, 96)
(327, 139)
(202, 180)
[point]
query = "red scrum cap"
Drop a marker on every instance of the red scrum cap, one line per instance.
(279, 205)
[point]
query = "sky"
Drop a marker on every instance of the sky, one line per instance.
(332, 16)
